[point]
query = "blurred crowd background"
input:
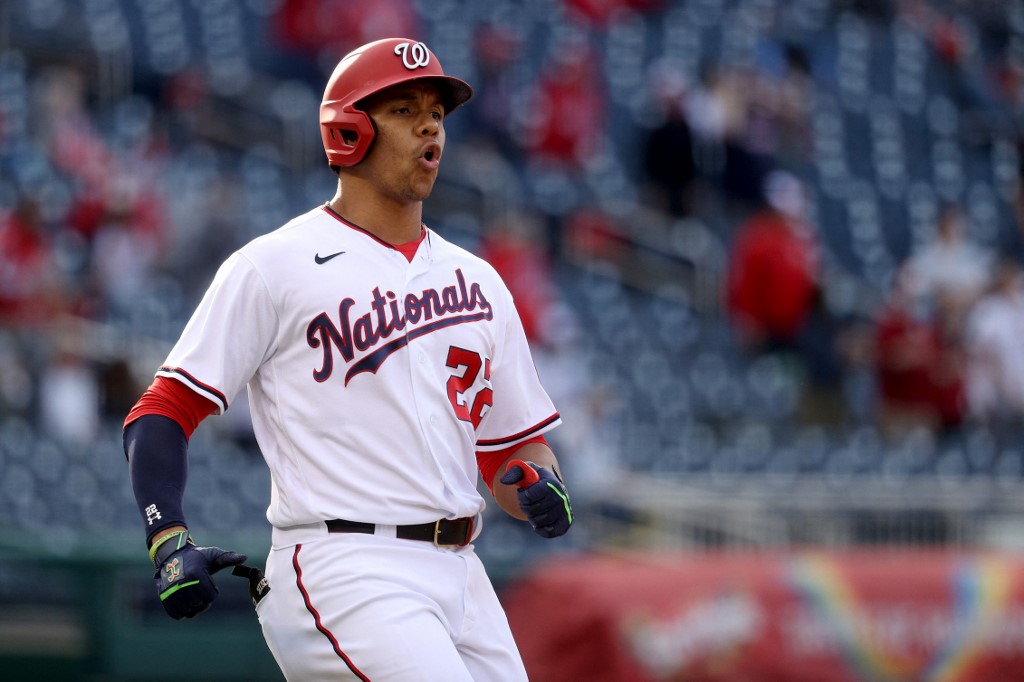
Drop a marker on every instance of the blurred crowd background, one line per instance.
(766, 250)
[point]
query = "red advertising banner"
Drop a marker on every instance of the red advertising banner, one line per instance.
(863, 616)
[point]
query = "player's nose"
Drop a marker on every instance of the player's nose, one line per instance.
(430, 126)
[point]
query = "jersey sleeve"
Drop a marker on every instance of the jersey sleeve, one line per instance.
(175, 401)
(231, 333)
(521, 408)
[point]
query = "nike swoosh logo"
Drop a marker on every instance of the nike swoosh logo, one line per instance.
(320, 260)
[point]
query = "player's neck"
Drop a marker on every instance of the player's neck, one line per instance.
(389, 221)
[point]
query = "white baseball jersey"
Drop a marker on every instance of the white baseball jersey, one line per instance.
(372, 380)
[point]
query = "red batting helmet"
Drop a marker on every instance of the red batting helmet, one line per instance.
(368, 70)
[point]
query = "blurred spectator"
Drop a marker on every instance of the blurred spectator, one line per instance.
(603, 11)
(514, 245)
(918, 361)
(331, 28)
(565, 113)
(124, 257)
(963, 46)
(118, 388)
(712, 107)
(773, 270)
(123, 195)
(68, 130)
(950, 267)
(17, 392)
(995, 354)
(834, 351)
(70, 397)
(498, 50)
(729, 122)
(786, 98)
(593, 235)
(26, 270)
(185, 101)
(668, 153)
(879, 11)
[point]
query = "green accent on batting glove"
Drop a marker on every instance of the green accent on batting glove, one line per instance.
(178, 539)
(565, 499)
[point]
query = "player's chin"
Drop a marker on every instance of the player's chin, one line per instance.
(423, 186)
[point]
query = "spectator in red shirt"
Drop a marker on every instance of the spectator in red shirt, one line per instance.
(515, 248)
(773, 269)
(603, 12)
(25, 269)
(336, 26)
(566, 113)
(918, 363)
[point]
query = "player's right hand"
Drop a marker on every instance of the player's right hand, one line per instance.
(183, 574)
(542, 497)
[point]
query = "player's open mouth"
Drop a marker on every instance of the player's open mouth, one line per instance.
(431, 157)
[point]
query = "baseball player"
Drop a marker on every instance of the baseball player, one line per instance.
(385, 368)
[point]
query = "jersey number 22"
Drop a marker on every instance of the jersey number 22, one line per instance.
(458, 385)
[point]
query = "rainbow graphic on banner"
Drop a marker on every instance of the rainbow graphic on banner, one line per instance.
(980, 587)
(981, 592)
(828, 594)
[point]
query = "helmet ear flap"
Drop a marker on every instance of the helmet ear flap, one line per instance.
(347, 134)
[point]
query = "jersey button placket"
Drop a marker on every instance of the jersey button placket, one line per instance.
(422, 377)
(419, 378)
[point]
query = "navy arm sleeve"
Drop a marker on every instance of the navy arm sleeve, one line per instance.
(157, 451)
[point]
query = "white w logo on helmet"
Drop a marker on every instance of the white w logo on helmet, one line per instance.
(414, 55)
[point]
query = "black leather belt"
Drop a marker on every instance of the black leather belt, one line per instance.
(443, 533)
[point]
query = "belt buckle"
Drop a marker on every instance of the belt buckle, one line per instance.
(437, 535)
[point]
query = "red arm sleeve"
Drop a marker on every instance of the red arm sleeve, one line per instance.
(172, 399)
(488, 462)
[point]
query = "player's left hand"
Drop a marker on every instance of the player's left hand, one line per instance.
(183, 574)
(542, 497)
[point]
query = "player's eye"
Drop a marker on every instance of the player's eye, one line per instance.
(402, 110)
(437, 115)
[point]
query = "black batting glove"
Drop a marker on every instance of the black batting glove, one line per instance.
(542, 497)
(183, 573)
